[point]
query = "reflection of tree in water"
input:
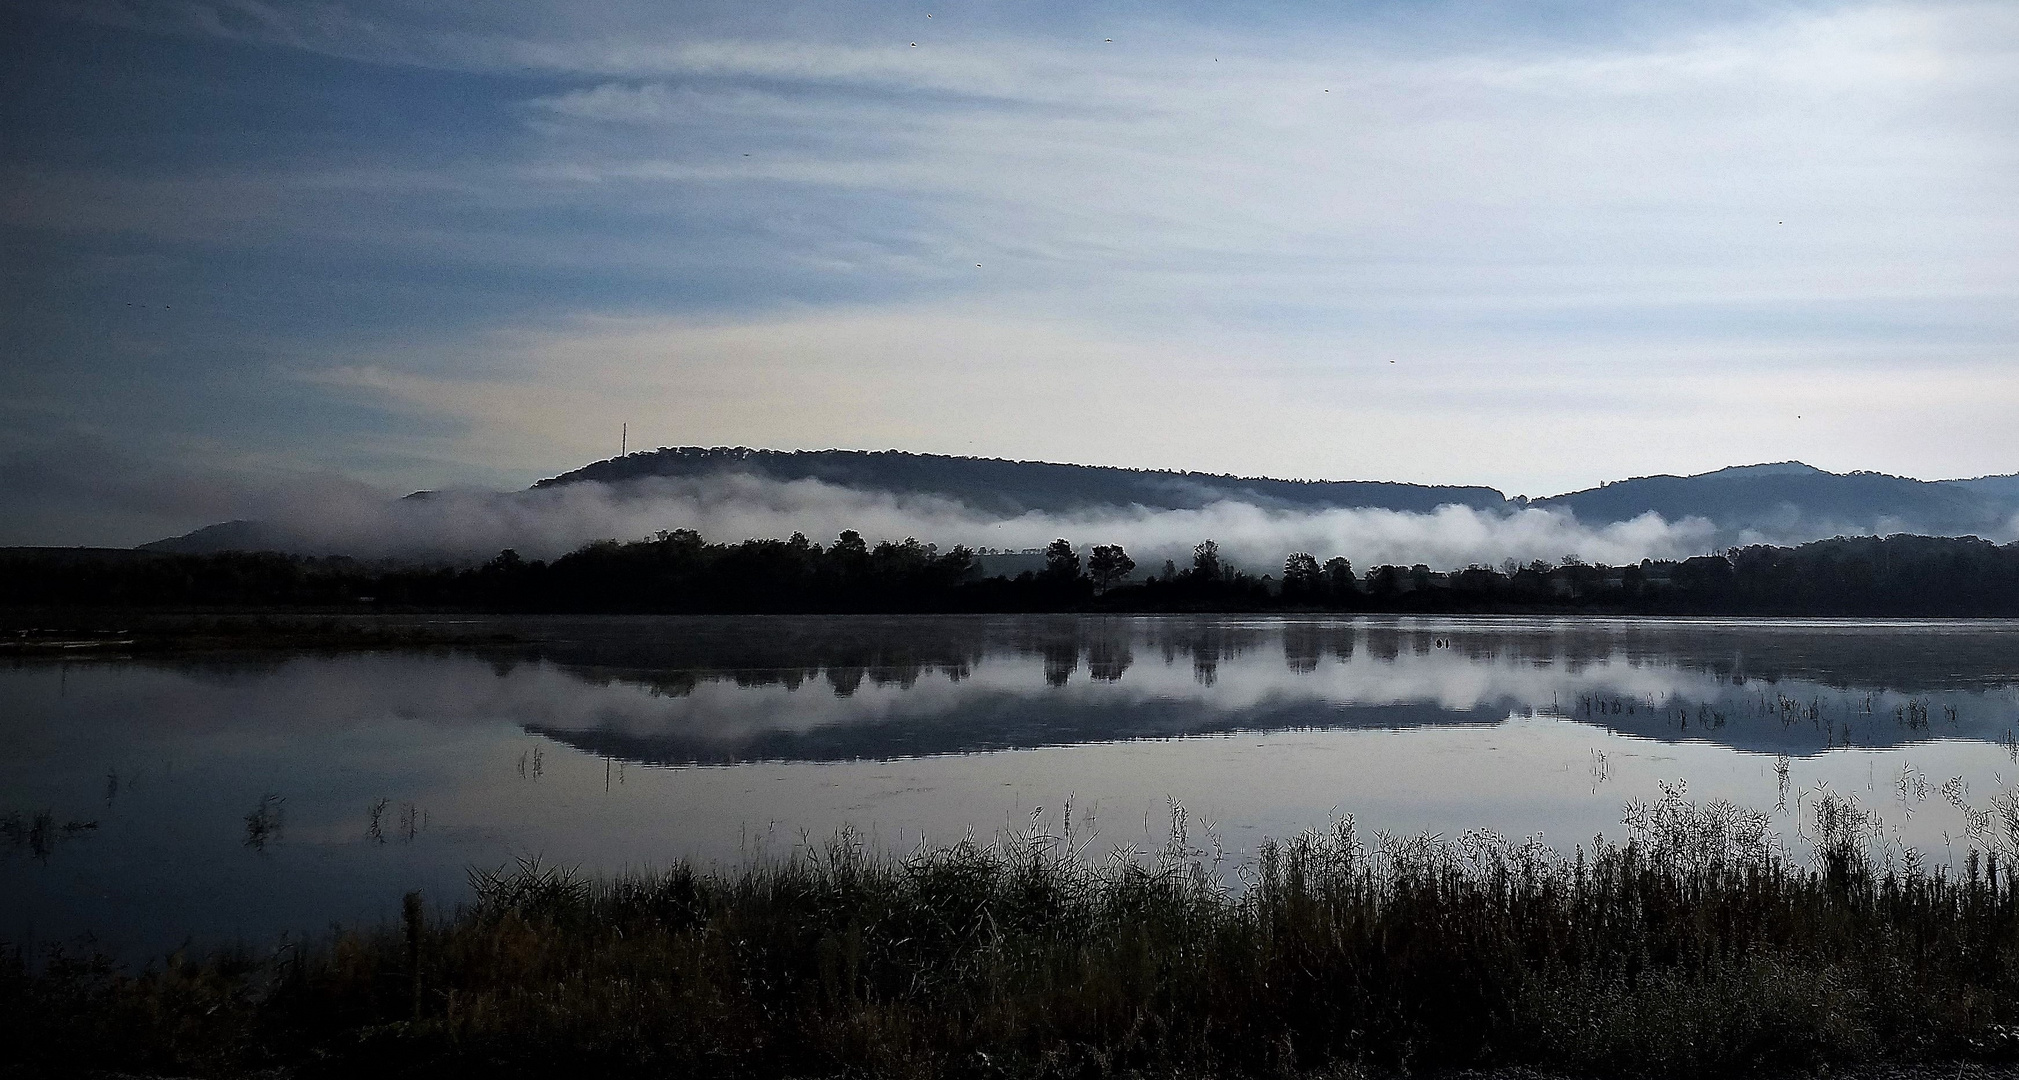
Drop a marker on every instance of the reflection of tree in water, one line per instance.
(1302, 644)
(1015, 708)
(845, 678)
(1108, 658)
(1206, 642)
(1061, 658)
(902, 676)
(673, 656)
(660, 683)
(1060, 644)
(1205, 668)
(790, 678)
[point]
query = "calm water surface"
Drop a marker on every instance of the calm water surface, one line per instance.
(237, 798)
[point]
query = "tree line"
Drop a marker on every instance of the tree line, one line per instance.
(679, 571)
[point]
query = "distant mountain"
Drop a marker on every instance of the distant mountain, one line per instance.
(1990, 487)
(1787, 499)
(996, 486)
(227, 536)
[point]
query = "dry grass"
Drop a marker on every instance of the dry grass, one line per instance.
(1697, 948)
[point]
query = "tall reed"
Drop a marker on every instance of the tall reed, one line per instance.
(1696, 947)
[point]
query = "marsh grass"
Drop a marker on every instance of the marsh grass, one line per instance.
(1697, 947)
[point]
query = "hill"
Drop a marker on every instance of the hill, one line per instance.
(998, 486)
(1786, 499)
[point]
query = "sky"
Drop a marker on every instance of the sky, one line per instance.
(254, 252)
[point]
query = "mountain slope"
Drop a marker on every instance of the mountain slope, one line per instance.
(1792, 497)
(994, 485)
(225, 536)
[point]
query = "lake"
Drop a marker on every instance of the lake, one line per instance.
(152, 801)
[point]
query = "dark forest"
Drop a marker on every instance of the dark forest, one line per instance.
(680, 572)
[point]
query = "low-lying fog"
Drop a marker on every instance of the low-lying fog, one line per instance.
(550, 521)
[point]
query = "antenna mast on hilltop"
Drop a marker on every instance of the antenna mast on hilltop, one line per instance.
(624, 441)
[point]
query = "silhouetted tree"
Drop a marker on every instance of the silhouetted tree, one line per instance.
(1109, 564)
(1062, 563)
(1206, 562)
(1385, 581)
(679, 571)
(1339, 582)
(1633, 581)
(1300, 576)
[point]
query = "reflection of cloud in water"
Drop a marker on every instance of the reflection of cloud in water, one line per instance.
(1268, 676)
(701, 690)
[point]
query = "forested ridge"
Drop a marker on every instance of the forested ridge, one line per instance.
(998, 486)
(681, 572)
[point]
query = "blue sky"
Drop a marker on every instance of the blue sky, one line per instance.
(250, 251)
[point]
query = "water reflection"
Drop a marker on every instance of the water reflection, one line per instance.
(149, 801)
(722, 691)
(937, 686)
